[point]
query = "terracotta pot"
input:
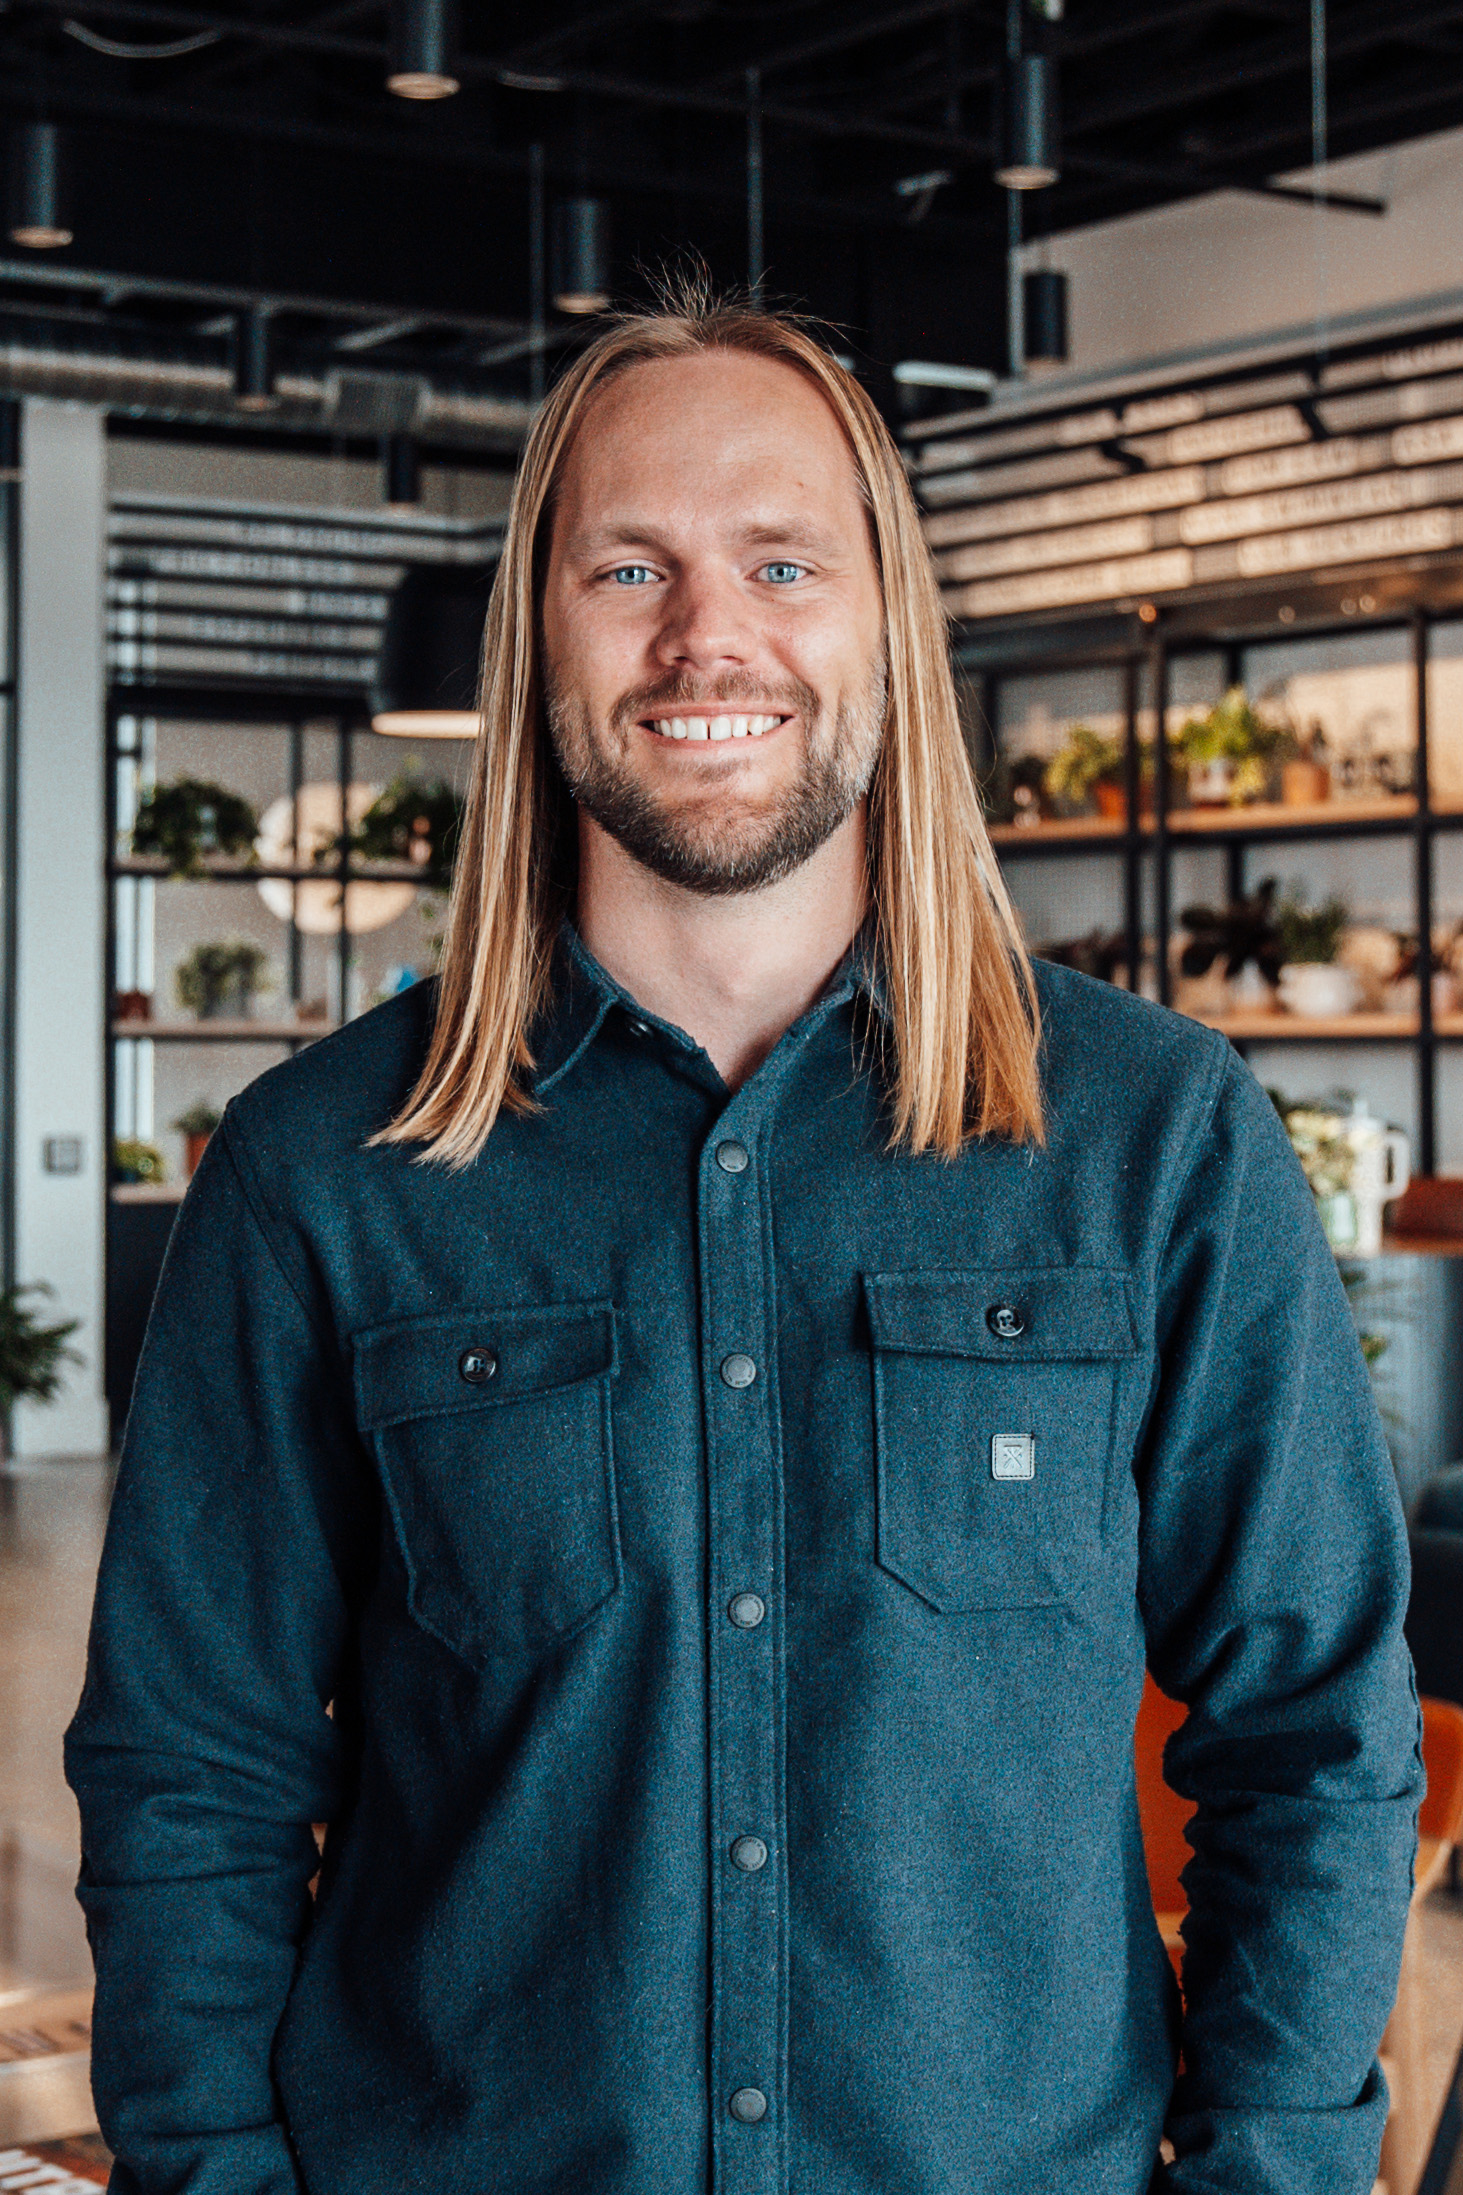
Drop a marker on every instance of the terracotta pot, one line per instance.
(1112, 801)
(133, 1006)
(1303, 783)
(194, 1147)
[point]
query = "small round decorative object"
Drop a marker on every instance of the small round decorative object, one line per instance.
(748, 2105)
(732, 1157)
(1005, 1321)
(749, 1854)
(478, 1366)
(738, 1370)
(746, 1610)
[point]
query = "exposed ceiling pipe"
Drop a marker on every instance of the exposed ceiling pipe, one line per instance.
(340, 402)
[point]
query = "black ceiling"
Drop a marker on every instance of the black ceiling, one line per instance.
(272, 159)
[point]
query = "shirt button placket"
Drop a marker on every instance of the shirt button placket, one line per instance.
(748, 1948)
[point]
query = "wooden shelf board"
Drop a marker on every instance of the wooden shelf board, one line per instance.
(147, 1192)
(222, 1032)
(1065, 827)
(1271, 815)
(1282, 1028)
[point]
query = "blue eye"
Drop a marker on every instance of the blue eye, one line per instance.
(633, 575)
(782, 575)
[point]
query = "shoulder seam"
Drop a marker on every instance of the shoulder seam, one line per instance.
(236, 1152)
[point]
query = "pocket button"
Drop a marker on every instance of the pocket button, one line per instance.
(1005, 1321)
(477, 1366)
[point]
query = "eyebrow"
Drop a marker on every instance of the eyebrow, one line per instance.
(628, 533)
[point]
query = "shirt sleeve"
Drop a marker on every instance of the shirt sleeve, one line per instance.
(1273, 1582)
(202, 1749)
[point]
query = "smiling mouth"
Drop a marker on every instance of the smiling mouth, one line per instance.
(713, 727)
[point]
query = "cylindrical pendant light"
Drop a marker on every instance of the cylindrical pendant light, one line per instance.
(1044, 298)
(38, 215)
(423, 49)
(427, 675)
(581, 257)
(1027, 156)
(254, 360)
(402, 467)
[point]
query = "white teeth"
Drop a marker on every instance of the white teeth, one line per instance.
(697, 728)
(739, 727)
(678, 727)
(721, 727)
(715, 727)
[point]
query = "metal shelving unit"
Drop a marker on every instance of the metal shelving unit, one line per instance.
(1144, 655)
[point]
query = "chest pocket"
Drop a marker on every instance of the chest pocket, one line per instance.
(492, 1433)
(995, 1400)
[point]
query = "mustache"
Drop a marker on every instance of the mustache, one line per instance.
(682, 691)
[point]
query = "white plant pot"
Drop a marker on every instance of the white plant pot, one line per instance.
(1319, 990)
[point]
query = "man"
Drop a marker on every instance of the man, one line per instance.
(677, 1443)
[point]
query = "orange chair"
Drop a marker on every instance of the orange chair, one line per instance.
(1440, 1832)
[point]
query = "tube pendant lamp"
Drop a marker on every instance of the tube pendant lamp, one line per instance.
(38, 216)
(1028, 158)
(1044, 299)
(423, 61)
(427, 675)
(581, 255)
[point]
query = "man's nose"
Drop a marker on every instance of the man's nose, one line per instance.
(707, 623)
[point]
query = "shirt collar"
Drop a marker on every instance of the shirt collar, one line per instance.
(583, 994)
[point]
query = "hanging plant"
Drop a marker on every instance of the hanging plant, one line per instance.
(417, 820)
(189, 820)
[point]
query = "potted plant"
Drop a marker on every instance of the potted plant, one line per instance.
(195, 1126)
(416, 820)
(190, 819)
(134, 1161)
(220, 979)
(1312, 984)
(31, 1354)
(1087, 766)
(1228, 752)
(1242, 935)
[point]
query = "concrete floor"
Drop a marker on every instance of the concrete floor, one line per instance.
(51, 1522)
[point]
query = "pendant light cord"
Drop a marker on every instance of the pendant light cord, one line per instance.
(756, 248)
(1319, 151)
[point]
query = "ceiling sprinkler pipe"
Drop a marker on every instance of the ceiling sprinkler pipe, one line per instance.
(205, 393)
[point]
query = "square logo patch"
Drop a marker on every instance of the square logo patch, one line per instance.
(1013, 1456)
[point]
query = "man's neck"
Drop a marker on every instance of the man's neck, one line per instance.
(734, 972)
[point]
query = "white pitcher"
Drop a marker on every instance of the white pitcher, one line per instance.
(1382, 1170)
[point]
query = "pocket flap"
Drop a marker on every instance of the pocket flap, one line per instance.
(414, 1367)
(1066, 1313)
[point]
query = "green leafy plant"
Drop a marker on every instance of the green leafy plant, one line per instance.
(415, 819)
(200, 1119)
(220, 970)
(1311, 933)
(1233, 731)
(186, 821)
(1086, 759)
(1245, 930)
(1327, 1157)
(133, 1160)
(31, 1355)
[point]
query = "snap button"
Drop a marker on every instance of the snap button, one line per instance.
(748, 2105)
(637, 1028)
(749, 1853)
(747, 1610)
(1005, 1321)
(737, 1370)
(477, 1365)
(732, 1157)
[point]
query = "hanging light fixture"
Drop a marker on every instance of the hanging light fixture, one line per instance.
(423, 49)
(38, 217)
(402, 468)
(254, 359)
(427, 674)
(581, 255)
(1044, 302)
(1027, 155)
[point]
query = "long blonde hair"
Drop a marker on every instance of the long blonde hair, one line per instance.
(962, 1057)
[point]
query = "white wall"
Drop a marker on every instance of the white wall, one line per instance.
(60, 912)
(1230, 265)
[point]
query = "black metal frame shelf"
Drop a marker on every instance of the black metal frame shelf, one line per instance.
(1155, 838)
